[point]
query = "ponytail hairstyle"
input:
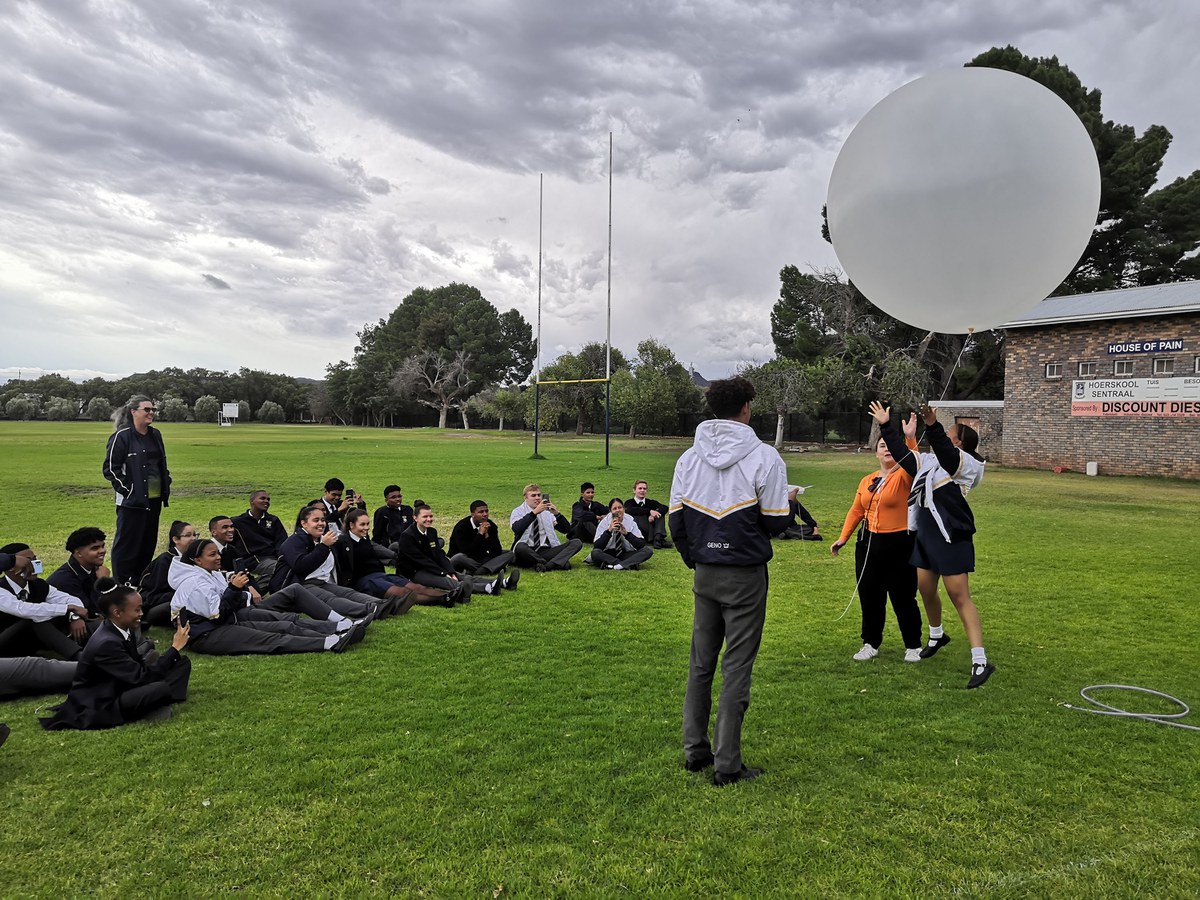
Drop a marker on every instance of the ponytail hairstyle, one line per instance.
(124, 414)
(111, 595)
(354, 515)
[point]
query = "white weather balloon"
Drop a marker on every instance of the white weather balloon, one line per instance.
(963, 198)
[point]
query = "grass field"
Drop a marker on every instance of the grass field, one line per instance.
(529, 745)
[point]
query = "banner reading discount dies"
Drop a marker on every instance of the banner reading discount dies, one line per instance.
(1172, 398)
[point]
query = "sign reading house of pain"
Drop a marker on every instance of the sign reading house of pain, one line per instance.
(1164, 397)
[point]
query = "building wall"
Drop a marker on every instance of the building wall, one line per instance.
(1041, 433)
(990, 427)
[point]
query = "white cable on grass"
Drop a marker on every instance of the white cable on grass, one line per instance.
(1159, 718)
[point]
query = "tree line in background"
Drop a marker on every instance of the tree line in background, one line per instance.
(181, 395)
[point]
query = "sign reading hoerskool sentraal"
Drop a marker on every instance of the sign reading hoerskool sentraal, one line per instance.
(1151, 346)
(1165, 397)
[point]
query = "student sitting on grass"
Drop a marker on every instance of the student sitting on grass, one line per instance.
(224, 620)
(619, 543)
(392, 519)
(35, 615)
(155, 590)
(77, 576)
(534, 523)
(359, 566)
(307, 559)
(586, 513)
(113, 682)
(259, 538)
(420, 559)
(335, 505)
(475, 546)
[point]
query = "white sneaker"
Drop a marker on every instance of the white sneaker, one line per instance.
(913, 654)
(867, 652)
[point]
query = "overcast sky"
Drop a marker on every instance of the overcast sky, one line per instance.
(188, 183)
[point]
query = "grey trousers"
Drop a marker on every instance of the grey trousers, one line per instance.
(34, 675)
(731, 606)
(297, 598)
(342, 600)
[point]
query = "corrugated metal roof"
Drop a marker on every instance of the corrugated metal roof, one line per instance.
(1128, 303)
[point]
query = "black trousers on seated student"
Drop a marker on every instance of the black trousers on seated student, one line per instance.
(546, 556)
(296, 598)
(23, 637)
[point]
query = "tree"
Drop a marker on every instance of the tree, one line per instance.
(584, 400)
(782, 386)
(62, 409)
(1142, 237)
(437, 382)
(98, 409)
(319, 403)
(206, 408)
(500, 403)
(243, 411)
(20, 408)
(172, 409)
(657, 392)
(271, 413)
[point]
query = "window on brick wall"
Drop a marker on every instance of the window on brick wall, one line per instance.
(1123, 367)
(1164, 366)
(1054, 370)
(1087, 369)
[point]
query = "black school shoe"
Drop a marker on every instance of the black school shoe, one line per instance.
(929, 649)
(980, 672)
(720, 779)
(699, 764)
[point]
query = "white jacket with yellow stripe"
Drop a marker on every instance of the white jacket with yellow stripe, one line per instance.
(728, 496)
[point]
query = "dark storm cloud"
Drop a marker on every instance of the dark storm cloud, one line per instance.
(217, 283)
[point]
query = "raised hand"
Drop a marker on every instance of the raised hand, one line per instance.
(880, 413)
(929, 414)
(910, 426)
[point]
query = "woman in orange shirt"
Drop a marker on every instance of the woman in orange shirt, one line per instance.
(884, 548)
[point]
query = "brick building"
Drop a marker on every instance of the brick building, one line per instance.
(1111, 378)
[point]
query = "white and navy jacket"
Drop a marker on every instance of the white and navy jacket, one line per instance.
(941, 481)
(728, 496)
(202, 598)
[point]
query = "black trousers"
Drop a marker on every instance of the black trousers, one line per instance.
(881, 564)
(141, 701)
(23, 637)
(546, 556)
(633, 558)
(133, 544)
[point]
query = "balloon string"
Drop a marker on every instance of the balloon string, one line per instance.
(963, 350)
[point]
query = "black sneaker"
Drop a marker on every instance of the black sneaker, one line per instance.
(511, 579)
(929, 649)
(720, 779)
(980, 672)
